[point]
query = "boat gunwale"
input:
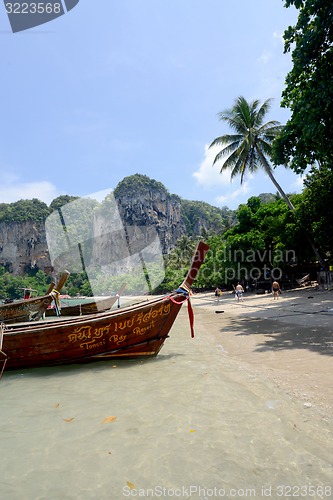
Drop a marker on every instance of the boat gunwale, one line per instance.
(48, 324)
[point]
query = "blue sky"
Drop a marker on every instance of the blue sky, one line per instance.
(116, 88)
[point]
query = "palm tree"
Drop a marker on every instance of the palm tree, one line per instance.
(250, 148)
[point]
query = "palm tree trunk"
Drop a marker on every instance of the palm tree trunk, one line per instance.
(268, 170)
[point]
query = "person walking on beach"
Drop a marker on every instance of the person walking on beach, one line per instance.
(276, 290)
(218, 294)
(239, 292)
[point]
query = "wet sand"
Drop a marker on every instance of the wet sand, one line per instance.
(289, 341)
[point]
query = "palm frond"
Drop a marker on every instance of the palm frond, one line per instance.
(272, 128)
(226, 152)
(225, 139)
(251, 147)
(262, 112)
(266, 148)
(234, 122)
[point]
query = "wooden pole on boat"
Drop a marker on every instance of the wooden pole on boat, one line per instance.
(199, 257)
(62, 280)
(50, 288)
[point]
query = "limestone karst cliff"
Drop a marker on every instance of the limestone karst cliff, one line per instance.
(23, 246)
(141, 203)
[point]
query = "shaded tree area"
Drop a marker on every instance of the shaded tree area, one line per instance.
(314, 211)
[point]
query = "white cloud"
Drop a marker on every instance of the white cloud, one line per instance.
(208, 175)
(235, 195)
(11, 189)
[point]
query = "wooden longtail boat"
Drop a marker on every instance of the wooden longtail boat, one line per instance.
(31, 309)
(136, 331)
(89, 307)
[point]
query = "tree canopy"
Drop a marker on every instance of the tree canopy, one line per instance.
(307, 135)
(24, 210)
(314, 211)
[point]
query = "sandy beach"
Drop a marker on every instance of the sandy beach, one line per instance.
(288, 341)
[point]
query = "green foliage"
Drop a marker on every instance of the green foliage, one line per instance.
(12, 286)
(199, 216)
(314, 211)
(138, 184)
(307, 135)
(262, 229)
(78, 284)
(268, 236)
(62, 200)
(23, 211)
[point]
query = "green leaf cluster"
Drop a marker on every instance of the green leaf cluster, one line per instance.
(12, 286)
(24, 210)
(314, 211)
(267, 236)
(136, 184)
(307, 135)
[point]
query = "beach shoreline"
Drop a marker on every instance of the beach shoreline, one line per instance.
(288, 342)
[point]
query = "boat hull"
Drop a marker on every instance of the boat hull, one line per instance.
(33, 308)
(137, 331)
(24, 310)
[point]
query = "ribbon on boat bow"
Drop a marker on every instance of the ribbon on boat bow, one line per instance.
(56, 299)
(186, 293)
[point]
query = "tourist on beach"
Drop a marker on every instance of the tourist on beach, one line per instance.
(218, 294)
(239, 292)
(276, 290)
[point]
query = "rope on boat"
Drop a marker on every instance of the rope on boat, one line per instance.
(183, 289)
(4, 361)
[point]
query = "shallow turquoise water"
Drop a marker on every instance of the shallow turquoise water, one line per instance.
(191, 423)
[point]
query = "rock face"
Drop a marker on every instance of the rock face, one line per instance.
(23, 246)
(145, 202)
(145, 207)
